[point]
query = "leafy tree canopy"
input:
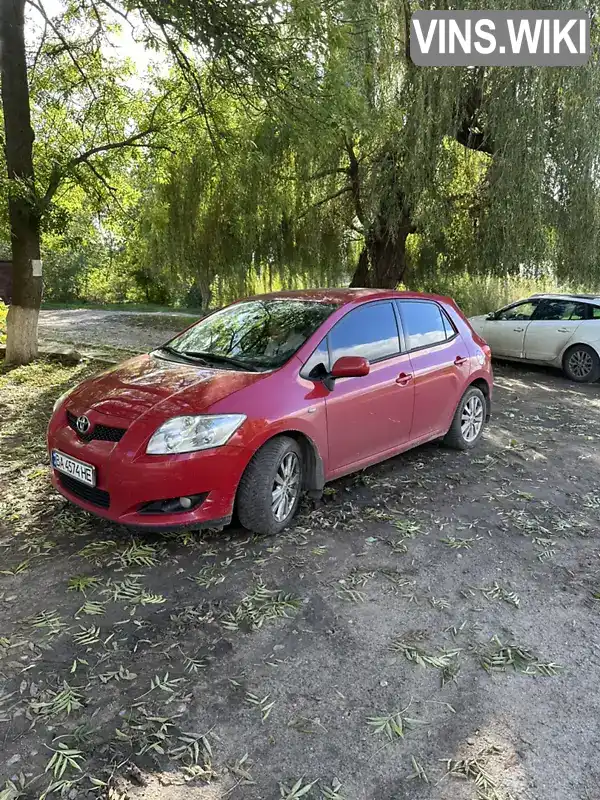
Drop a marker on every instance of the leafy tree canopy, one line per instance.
(288, 144)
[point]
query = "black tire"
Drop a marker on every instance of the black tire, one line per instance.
(456, 437)
(254, 496)
(581, 364)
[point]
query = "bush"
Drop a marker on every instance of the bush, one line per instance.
(478, 294)
(3, 315)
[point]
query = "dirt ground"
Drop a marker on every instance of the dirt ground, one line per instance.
(429, 632)
(128, 330)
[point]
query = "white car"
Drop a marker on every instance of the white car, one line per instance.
(559, 330)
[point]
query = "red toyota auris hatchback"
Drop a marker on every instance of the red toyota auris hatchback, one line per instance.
(265, 398)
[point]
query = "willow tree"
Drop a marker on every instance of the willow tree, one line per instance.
(377, 131)
(530, 138)
(246, 44)
(230, 221)
(536, 133)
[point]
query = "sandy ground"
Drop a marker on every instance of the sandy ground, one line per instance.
(352, 649)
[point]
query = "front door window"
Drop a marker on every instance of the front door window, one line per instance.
(369, 331)
(521, 311)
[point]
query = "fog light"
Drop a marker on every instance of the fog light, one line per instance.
(173, 505)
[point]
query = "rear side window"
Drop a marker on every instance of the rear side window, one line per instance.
(449, 326)
(424, 324)
(595, 312)
(560, 310)
(369, 331)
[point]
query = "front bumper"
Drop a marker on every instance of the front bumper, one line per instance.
(125, 484)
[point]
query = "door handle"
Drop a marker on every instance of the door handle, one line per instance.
(518, 330)
(403, 379)
(563, 330)
(460, 360)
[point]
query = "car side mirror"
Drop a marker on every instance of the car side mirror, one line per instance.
(492, 315)
(350, 367)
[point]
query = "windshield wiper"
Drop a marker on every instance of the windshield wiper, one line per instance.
(166, 348)
(216, 358)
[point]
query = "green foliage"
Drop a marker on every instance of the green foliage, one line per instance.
(479, 294)
(235, 225)
(3, 315)
(271, 145)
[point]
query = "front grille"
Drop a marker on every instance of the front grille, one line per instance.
(104, 433)
(97, 497)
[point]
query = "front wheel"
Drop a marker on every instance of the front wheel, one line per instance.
(269, 491)
(581, 364)
(468, 422)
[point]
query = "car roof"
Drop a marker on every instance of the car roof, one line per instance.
(343, 296)
(592, 298)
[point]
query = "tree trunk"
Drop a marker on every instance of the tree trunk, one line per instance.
(21, 344)
(362, 277)
(382, 262)
(206, 298)
(202, 285)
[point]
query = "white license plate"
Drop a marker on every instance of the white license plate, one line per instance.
(79, 470)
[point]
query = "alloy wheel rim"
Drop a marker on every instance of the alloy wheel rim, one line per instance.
(286, 487)
(580, 363)
(471, 419)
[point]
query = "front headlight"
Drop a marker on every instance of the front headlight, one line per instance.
(186, 434)
(59, 400)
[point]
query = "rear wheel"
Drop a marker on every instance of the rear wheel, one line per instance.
(269, 491)
(468, 422)
(581, 364)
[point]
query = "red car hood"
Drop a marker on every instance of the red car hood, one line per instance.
(139, 384)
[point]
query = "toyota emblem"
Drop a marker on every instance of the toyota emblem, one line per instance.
(83, 424)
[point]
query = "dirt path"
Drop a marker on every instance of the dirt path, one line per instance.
(128, 330)
(351, 648)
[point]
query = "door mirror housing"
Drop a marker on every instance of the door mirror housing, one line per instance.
(350, 367)
(492, 315)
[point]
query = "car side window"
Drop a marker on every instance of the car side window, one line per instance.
(560, 310)
(317, 364)
(370, 331)
(451, 331)
(424, 324)
(522, 311)
(579, 311)
(594, 312)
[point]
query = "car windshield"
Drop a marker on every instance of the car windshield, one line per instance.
(257, 334)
